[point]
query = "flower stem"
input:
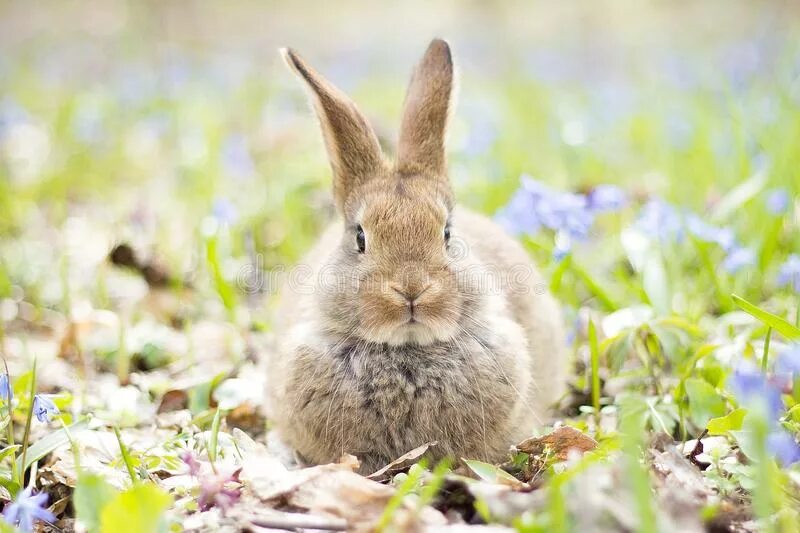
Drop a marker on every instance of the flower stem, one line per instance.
(595, 361)
(123, 358)
(797, 312)
(592, 285)
(74, 446)
(126, 458)
(26, 435)
(10, 430)
(765, 357)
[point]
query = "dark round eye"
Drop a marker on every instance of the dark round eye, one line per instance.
(361, 241)
(447, 234)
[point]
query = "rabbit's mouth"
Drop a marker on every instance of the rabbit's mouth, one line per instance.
(412, 332)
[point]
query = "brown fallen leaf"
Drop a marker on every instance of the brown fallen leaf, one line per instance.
(123, 255)
(247, 418)
(560, 441)
(173, 400)
(401, 463)
(332, 490)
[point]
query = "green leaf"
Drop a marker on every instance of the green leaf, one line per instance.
(92, 494)
(49, 443)
(774, 321)
(730, 422)
(655, 283)
(738, 196)
(214, 440)
(8, 450)
(491, 473)
(705, 402)
(794, 413)
(10, 485)
(140, 508)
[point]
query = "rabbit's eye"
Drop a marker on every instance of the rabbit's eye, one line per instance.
(446, 234)
(361, 240)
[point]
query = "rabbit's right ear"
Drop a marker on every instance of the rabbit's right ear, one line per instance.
(353, 149)
(421, 147)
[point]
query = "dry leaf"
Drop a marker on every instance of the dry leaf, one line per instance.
(332, 490)
(401, 463)
(173, 400)
(560, 441)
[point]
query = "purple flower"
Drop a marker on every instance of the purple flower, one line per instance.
(534, 205)
(604, 198)
(216, 489)
(723, 237)
(752, 388)
(224, 211)
(738, 258)
(518, 216)
(6, 394)
(778, 202)
(783, 446)
(789, 273)
(661, 219)
(44, 408)
(789, 361)
(26, 509)
(236, 159)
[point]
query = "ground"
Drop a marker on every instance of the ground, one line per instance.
(160, 171)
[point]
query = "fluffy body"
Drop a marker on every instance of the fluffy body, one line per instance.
(411, 320)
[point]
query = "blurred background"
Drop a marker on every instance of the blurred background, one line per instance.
(173, 127)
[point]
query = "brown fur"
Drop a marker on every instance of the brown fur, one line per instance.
(483, 358)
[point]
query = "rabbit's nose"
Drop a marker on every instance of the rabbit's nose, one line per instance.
(411, 294)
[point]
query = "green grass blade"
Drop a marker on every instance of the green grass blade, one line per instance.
(49, 443)
(595, 360)
(774, 321)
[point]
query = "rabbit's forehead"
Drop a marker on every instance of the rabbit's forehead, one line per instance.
(403, 204)
(388, 214)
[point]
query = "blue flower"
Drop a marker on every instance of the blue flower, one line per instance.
(723, 237)
(518, 216)
(224, 211)
(778, 202)
(605, 198)
(26, 509)
(6, 394)
(236, 159)
(783, 446)
(789, 361)
(44, 408)
(662, 220)
(534, 205)
(789, 273)
(752, 388)
(738, 258)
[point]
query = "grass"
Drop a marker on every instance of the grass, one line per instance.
(210, 180)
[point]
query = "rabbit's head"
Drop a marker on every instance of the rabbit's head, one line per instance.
(396, 279)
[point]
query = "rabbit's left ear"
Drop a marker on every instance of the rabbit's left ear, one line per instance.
(353, 149)
(421, 147)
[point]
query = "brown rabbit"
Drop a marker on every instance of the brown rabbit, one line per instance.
(412, 320)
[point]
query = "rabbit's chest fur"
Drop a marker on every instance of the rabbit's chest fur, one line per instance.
(378, 401)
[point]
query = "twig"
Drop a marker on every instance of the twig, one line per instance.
(697, 450)
(292, 521)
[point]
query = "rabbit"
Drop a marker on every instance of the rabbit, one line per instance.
(412, 320)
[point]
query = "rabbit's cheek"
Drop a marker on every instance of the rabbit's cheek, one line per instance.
(378, 315)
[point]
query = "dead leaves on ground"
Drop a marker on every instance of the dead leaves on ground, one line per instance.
(559, 443)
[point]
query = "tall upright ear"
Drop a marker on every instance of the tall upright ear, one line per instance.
(353, 149)
(420, 148)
